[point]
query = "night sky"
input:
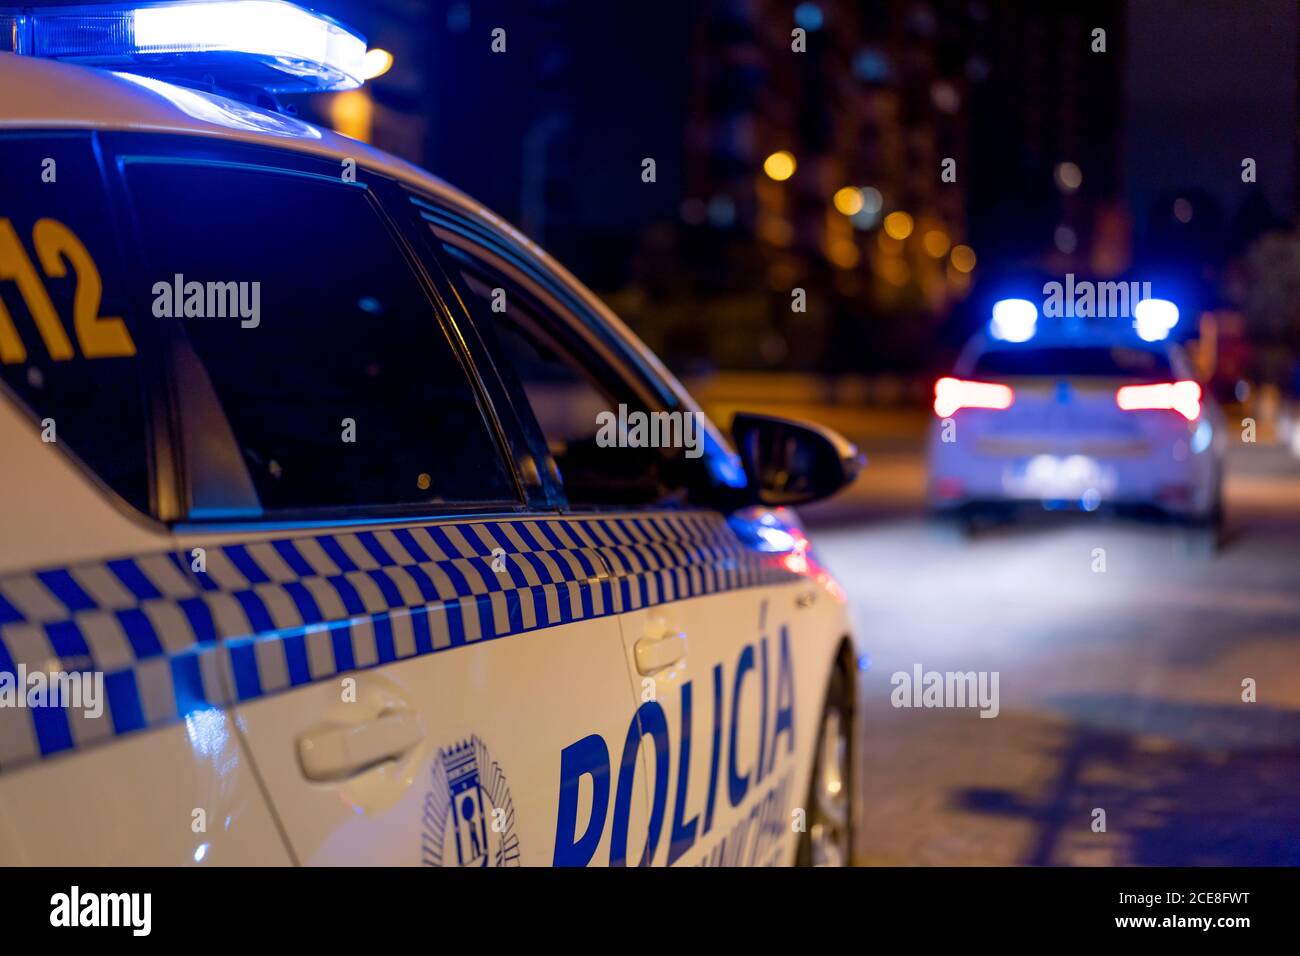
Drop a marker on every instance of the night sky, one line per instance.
(1209, 83)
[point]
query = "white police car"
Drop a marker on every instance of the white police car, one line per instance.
(1076, 416)
(311, 549)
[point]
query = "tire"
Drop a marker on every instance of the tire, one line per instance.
(827, 839)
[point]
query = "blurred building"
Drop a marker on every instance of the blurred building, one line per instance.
(881, 157)
(930, 142)
(1047, 137)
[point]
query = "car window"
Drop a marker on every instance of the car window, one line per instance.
(578, 402)
(1089, 361)
(69, 351)
(325, 353)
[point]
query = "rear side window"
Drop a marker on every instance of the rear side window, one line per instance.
(327, 357)
(1090, 361)
(69, 351)
(571, 393)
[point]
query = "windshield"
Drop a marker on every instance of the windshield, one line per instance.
(1088, 361)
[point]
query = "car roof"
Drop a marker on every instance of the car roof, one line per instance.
(1047, 336)
(45, 94)
(1053, 339)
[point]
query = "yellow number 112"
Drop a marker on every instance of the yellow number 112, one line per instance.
(57, 246)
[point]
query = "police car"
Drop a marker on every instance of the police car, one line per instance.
(319, 542)
(1072, 415)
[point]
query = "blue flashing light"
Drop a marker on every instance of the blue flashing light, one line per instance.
(268, 45)
(1154, 319)
(1014, 320)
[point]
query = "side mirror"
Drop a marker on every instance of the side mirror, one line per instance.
(790, 462)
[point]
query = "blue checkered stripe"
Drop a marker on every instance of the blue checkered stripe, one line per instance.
(270, 615)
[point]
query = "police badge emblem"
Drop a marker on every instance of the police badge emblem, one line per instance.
(469, 818)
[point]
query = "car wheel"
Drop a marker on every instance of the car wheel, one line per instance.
(827, 839)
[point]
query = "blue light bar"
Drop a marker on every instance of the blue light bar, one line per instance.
(268, 45)
(1154, 319)
(1014, 320)
(12, 26)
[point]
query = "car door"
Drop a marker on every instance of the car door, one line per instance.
(107, 757)
(409, 636)
(709, 606)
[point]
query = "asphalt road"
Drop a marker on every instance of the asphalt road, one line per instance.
(1119, 689)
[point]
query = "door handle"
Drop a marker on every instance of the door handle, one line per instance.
(656, 653)
(343, 750)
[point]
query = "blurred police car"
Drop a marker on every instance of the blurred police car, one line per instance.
(1078, 415)
(311, 551)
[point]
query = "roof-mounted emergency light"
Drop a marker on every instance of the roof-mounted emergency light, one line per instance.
(1014, 320)
(1154, 319)
(268, 45)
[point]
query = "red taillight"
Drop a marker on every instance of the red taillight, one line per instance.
(1181, 397)
(950, 394)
